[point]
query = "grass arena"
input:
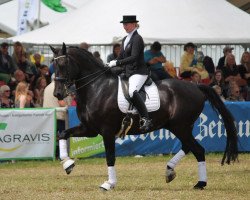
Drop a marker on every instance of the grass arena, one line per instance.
(139, 178)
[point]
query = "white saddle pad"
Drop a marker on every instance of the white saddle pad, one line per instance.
(152, 99)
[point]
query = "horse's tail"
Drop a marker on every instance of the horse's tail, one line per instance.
(231, 151)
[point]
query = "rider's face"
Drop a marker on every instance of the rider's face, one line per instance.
(129, 27)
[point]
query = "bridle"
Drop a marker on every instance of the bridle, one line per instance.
(67, 82)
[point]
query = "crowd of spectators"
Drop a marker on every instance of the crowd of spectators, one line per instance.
(229, 79)
(24, 77)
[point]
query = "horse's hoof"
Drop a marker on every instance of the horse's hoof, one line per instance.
(170, 175)
(107, 186)
(68, 165)
(200, 185)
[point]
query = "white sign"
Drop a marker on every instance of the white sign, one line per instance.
(27, 14)
(27, 134)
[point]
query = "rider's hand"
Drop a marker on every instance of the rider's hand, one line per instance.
(112, 63)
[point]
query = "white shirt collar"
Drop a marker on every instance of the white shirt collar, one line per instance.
(128, 38)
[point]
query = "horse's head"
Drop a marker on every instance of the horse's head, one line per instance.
(62, 73)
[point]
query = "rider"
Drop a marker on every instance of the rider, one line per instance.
(131, 58)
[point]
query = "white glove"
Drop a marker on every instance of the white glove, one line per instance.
(112, 63)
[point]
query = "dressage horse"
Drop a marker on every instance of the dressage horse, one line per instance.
(181, 103)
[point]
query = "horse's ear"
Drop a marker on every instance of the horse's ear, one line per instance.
(64, 49)
(53, 49)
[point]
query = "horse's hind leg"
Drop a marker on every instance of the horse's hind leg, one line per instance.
(199, 153)
(188, 144)
(170, 173)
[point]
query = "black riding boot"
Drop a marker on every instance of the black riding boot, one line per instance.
(145, 122)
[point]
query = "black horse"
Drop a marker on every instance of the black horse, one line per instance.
(181, 103)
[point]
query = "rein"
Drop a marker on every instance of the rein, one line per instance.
(68, 83)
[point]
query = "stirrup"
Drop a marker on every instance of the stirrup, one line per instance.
(145, 124)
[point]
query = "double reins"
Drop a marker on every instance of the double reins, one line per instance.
(68, 83)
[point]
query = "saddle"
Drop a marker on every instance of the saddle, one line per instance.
(149, 93)
(142, 92)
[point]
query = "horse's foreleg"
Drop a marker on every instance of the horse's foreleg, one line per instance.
(68, 163)
(109, 143)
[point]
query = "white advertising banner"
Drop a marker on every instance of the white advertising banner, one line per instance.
(27, 134)
(27, 11)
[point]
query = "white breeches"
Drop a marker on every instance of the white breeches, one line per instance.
(136, 81)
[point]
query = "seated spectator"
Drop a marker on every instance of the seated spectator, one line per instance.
(155, 59)
(41, 84)
(97, 55)
(37, 59)
(235, 94)
(22, 98)
(195, 77)
(170, 69)
(190, 62)
(227, 50)
(209, 65)
(17, 52)
(244, 67)
(218, 90)
(5, 100)
(115, 53)
(218, 79)
(84, 45)
(44, 72)
(28, 68)
(200, 66)
(7, 65)
(231, 71)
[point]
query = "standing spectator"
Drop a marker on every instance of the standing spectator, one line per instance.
(116, 52)
(7, 65)
(227, 50)
(155, 59)
(50, 101)
(5, 100)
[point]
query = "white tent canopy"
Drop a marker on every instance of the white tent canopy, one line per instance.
(168, 21)
(9, 14)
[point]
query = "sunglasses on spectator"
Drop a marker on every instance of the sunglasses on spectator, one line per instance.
(7, 91)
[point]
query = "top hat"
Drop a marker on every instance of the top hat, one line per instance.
(129, 19)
